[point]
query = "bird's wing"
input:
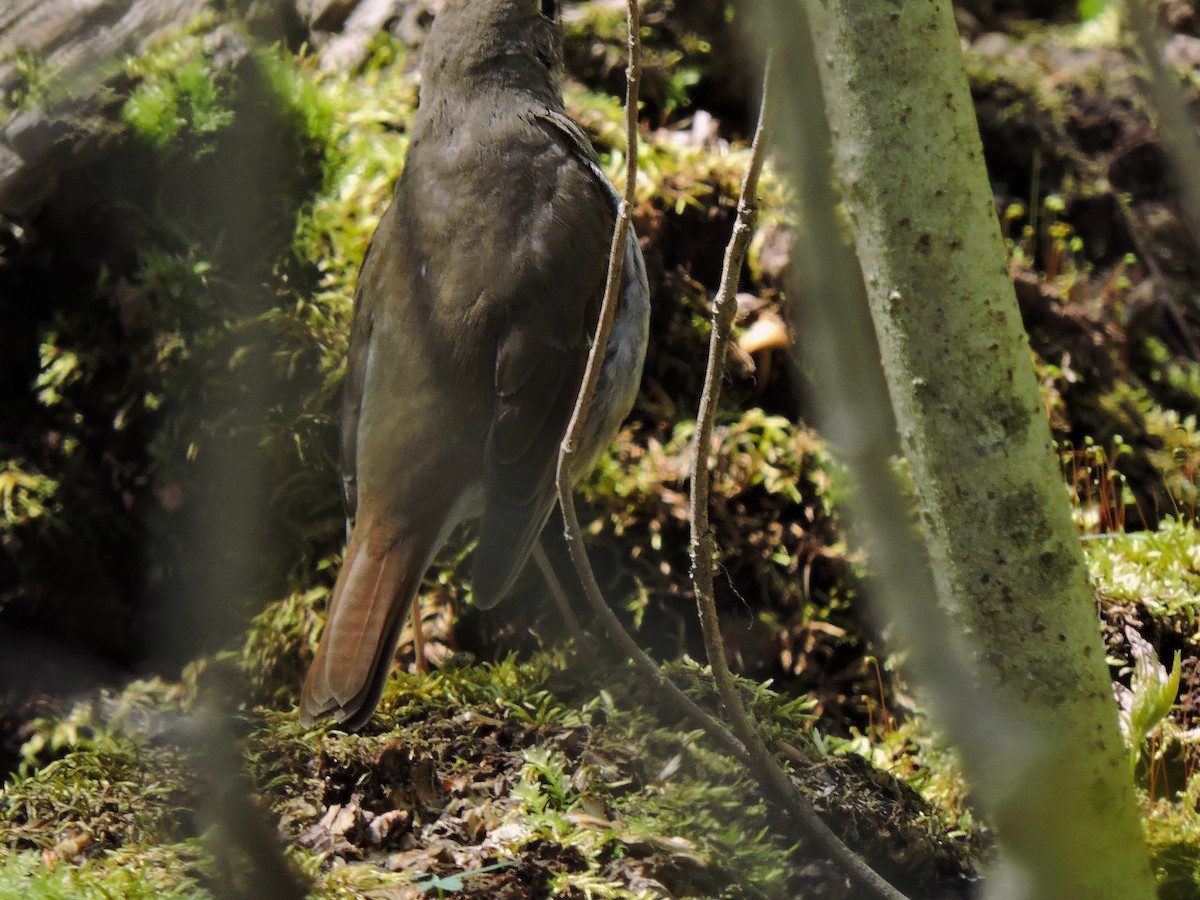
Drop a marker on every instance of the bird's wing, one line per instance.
(565, 131)
(352, 386)
(541, 354)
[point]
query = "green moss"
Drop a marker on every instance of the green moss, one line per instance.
(913, 751)
(1158, 570)
(32, 82)
(1173, 832)
(363, 122)
(102, 806)
(188, 99)
(566, 760)
(763, 463)
(674, 174)
(1148, 580)
(25, 495)
(106, 797)
(179, 90)
(166, 871)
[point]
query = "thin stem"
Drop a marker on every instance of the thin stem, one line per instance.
(1173, 116)
(563, 474)
(724, 308)
(773, 780)
(1177, 126)
(616, 269)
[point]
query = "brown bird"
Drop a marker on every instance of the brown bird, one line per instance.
(475, 308)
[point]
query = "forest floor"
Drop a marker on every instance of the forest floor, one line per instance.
(177, 310)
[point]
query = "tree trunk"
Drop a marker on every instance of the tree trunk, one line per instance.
(1003, 548)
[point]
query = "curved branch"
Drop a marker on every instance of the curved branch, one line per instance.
(564, 481)
(774, 781)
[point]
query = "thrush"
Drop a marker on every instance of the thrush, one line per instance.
(474, 311)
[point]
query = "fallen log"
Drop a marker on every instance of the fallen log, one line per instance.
(55, 57)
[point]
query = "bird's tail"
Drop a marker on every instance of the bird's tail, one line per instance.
(379, 577)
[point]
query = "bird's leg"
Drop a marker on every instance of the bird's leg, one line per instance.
(418, 635)
(557, 592)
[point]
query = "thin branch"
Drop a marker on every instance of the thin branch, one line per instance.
(1173, 116)
(724, 308)
(773, 780)
(616, 269)
(1178, 128)
(564, 482)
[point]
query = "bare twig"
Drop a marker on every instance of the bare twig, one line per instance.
(564, 481)
(564, 474)
(1173, 116)
(1179, 130)
(774, 781)
(724, 308)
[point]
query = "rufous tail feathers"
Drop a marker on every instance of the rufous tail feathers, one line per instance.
(379, 577)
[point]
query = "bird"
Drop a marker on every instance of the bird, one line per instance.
(475, 309)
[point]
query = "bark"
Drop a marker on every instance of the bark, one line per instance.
(1002, 545)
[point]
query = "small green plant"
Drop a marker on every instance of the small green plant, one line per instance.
(60, 368)
(51, 738)
(159, 873)
(1047, 237)
(458, 881)
(1148, 700)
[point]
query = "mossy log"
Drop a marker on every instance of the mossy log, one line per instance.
(55, 57)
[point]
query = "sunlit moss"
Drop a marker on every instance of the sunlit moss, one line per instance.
(147, 873)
